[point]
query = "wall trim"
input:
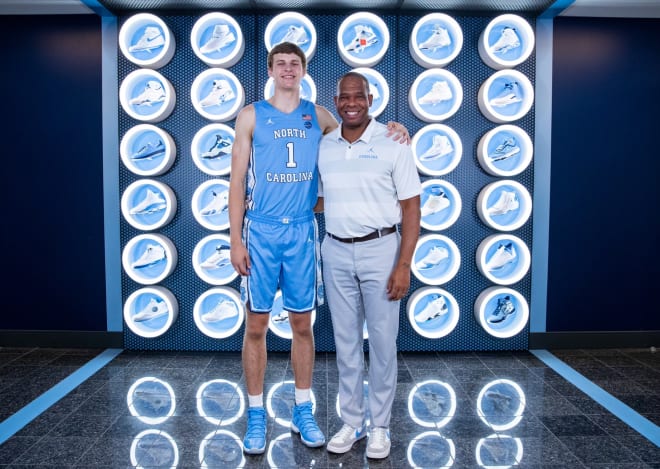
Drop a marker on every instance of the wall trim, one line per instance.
(64, 339)
(569, 340)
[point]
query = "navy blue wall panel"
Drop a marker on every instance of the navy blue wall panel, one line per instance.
(603, 269)
(52, 189)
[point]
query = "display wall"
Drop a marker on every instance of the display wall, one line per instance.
(182, 306)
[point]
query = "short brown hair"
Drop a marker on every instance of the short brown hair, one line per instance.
(287, 48)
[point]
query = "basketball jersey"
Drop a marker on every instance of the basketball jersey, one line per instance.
(282, 177)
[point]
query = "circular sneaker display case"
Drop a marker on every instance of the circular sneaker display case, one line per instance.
(378, 88)
(435, 95)
(505, 151)
(147, 150)
(498, 451)
(292, 27)
(217, 94)
(501, 404)
(437, 149)
(149, 258)
(432, 312)
(147, 204)
(142, 448)
(211, 149)
(440, 204)
(435, 40)
(147, 41)
(219, 312)
(506, 96)
(503, 259)
(431, 449)
(221, 448)
(307, 88)
(210, 203)
(151, 400)
(150, 311)
(220, 402)
(504, 205)
(217, 39)
(507, 41)
(211, 260)
(436, 259)
(147, 96)
(363, 39)
(279, 319)
(502, 312)
(432, 403)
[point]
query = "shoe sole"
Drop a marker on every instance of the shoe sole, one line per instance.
(381, 455)
(343, 449)
(255, 451)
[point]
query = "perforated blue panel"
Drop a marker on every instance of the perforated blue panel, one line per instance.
(400, 70)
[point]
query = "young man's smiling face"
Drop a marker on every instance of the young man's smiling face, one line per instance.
(287, 70)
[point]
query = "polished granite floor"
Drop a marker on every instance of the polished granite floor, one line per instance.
(459, 410)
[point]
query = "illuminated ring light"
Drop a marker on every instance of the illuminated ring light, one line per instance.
(429, 321)
(378, 88)
(149, 258)
(504, 205)
(441, 204)
(435, 40)
(217, 94)
(288, 388)
(517, 414)
(501, 312)
(503, 259)
(210, 204)
(435, 95)
(217, 39)
(292, 27)
(150, 311)
(429, 439)
(279, 318)
(436, 259)
(507, 41)
(437, 149)
(211, 260)
(222, 419)
(211, 149)
(280, 452)
(219, 312)
(499, 439)
(147, 150)
(365, 390)
(307, 88)
(505, 151)
(210, 459)
(445, 418)
(147, 204)
(363, 39)
(131, 398)
(146, 95)
(147, 41)
(157, 438)
(506, 96)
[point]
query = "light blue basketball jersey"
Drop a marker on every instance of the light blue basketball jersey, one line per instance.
(282, 177)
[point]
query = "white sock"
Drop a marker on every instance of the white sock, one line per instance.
(303, 395)
(256, 401)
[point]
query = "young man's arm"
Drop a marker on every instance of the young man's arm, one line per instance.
(240, 158)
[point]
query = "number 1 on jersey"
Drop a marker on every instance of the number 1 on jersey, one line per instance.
(290, 163)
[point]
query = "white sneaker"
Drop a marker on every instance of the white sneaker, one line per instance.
(504, 254)
(439, 38)
(434, 204)
(343, 440)
(297, 35)
(436, 307)
(151, 39)
(508, 96)
(221, 37)
(507, 202)
(505, 150)
(436, 255)
(220, 93)
(219, 258)
(441, 146)
(153, 254)
(440, 91)
(508, 40)
(218, 204)
(154, 309)
(378, 444)
(364, 37)
(153, 93)
(223, 310)
(152, 202)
